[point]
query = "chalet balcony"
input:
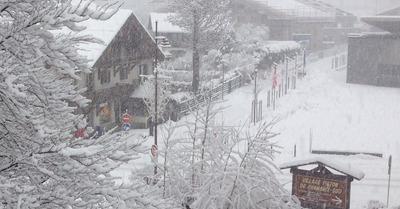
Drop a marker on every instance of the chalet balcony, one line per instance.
(121, 90)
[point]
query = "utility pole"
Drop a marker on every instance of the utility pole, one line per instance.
(223, 80)
(155, 96)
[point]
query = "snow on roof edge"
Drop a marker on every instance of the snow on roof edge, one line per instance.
(104, 30)
(357, 174)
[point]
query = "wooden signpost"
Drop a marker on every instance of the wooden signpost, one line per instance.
(329, 191)
(319, 188)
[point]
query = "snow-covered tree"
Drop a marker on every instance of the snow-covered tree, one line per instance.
(163, 96)
(211, 165)
(208, 22)
(241, 163)
(42, 164)
(248, 49)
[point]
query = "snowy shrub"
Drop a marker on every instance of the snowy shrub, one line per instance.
(375, 204)
(207, 165)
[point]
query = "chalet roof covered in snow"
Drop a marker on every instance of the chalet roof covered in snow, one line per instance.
(103, 30)
(387, 23)
(164, 26)
(279, 46)
(357, 174)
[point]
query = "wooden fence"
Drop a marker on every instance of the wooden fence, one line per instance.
(184, 107)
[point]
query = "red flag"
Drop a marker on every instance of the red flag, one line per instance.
(274, 82)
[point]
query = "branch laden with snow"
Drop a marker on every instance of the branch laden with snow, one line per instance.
(42, 165)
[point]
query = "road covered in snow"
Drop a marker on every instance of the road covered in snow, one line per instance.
(336, 116)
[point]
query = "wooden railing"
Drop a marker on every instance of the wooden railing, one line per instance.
(184, 107)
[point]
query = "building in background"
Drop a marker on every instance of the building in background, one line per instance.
(374, 58)
(315, 24)
(361, 8)
(177, 37)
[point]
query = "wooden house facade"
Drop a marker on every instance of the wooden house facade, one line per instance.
(117, 65)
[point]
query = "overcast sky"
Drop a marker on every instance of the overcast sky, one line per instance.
(142, 8)
(364, 7)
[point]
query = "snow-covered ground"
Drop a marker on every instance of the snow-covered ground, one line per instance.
(340, 116)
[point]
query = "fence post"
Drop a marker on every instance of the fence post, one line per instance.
(254, 111)
(260, 110)
(274, 92)
(279, 90)
(287, 71)
(294, 81)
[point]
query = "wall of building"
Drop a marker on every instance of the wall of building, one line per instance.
(316, 29)
(374, 60)
(114, 98)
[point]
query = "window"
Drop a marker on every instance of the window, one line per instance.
(105, 76)
(142, 71)
(123, 73)
(139, 108)
(89, 82)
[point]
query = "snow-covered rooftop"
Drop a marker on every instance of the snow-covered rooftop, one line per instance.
(164, 26)
(279, 46)
(357, 174)
(103, 30)
(295, 8)
(387, 23)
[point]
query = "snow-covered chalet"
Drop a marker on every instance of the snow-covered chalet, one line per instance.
(117, 65)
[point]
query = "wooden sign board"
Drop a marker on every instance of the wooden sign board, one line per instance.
(321, 190)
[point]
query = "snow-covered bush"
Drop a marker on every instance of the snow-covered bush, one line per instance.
(375, 204)
(207, 165)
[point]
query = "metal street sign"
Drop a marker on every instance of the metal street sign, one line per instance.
(126, 118)
(126, 127)
(153, 150)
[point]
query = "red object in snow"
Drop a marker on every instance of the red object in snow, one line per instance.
(79, 133)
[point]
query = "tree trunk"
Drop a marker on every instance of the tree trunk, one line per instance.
(196, 56)
(196, 73)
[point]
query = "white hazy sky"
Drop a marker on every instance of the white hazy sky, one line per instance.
(142, 8)
(357, 7)
(364, 7)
